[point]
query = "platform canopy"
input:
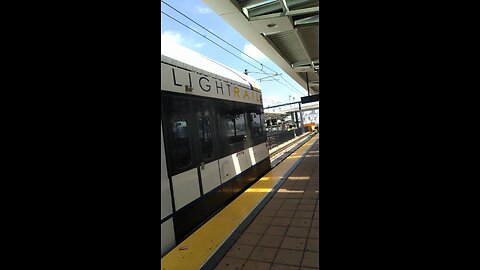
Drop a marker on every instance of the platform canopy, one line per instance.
(286, 31)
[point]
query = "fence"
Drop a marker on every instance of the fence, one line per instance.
(276, 138)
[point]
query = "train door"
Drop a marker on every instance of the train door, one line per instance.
(208, 149)
(182, 162)
(166, 226)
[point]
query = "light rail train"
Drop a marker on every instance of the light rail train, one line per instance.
(213, 140)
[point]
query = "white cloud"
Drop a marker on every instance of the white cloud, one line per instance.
(169, 39)
(253, 52)
(169, 36)
(199, 45)
(203, 10)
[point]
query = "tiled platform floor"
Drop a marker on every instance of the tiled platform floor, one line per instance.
(284, 235)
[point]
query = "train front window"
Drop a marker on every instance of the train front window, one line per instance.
(206, 141)
(181, 144)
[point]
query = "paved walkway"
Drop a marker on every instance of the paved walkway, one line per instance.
(285, 234)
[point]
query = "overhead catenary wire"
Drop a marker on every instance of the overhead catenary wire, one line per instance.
(218, 36)
(207, 38)
(297, 91)
(262, 65)
(273, 74)
(273, 79)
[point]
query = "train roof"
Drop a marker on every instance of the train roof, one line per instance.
(191, 60)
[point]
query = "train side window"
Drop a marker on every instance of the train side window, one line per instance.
(206, 140)
(263, 124)
(181, 144)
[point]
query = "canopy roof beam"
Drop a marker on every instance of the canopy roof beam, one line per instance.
(302, 45)
(254, 16)
(284, 5)
(307, 21)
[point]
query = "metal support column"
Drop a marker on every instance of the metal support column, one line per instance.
(301, 116)
(308, 87)
(296, 119)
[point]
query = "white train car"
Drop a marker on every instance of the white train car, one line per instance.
(213, 142)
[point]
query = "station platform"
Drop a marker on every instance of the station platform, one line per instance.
(273, 225)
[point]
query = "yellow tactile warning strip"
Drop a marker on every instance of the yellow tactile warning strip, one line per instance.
(194, 252)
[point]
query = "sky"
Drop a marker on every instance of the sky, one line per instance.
(172, 31)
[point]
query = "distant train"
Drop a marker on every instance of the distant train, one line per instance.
(213, 142)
